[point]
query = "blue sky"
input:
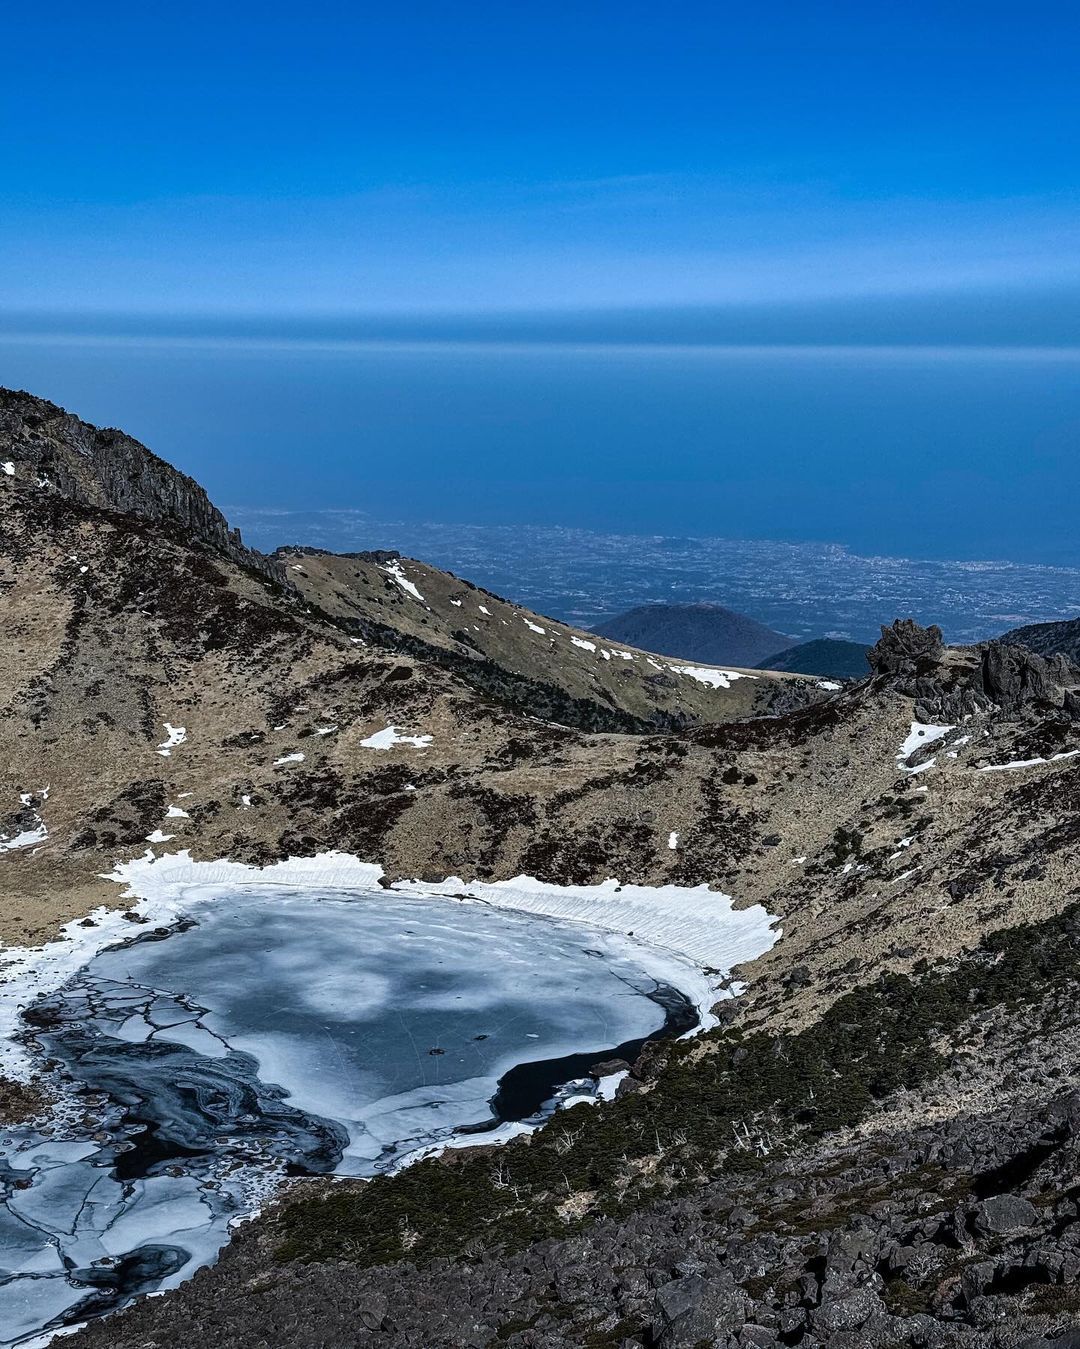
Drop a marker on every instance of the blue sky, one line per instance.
(335, 158)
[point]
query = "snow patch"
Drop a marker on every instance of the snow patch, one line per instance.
(8, 467)
(391, 736)
(673, 840)
(395, 570)
(36, 835)
(716, 679)
(177, 813)
(296, 757)
(533, 627)
(1027, 763)
(585, 646)
(921, 733)
(174, 735)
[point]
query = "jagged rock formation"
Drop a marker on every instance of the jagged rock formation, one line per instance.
(908, 649)
(950, 684)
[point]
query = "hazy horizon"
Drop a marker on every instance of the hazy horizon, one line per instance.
(914, 449)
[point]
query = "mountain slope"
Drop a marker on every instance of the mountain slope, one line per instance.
(705, 632)
(876, 1146)
(1048, 639)
(524, 658)
(826, 657)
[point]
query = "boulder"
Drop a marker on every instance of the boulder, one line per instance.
(693, 1309)
(1003, 1213)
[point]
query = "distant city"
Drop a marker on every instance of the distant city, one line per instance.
(805, 589)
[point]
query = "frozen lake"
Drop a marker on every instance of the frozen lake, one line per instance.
(281, 1033)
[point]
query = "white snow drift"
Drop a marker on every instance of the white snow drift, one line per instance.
(390, 736)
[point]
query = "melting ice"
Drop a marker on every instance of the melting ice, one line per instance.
(282, 1033)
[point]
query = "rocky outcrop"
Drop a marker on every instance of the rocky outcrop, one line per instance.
(53, 450)
(949, 684)
(896, 1242)
(907, 649)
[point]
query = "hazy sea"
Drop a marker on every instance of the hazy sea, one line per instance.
(952, 453)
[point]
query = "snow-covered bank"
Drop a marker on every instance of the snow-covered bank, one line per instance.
(694, 924)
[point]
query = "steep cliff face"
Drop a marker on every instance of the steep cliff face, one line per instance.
(106, 468)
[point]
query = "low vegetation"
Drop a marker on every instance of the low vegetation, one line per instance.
(725, 1101)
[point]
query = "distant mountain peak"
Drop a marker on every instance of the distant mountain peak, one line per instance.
(702, 631)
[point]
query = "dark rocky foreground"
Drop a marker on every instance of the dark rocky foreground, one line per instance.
(964, 1235)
